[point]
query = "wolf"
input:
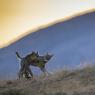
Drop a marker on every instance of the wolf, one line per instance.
(33, 59)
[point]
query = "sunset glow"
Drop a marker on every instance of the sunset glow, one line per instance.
(18, 17)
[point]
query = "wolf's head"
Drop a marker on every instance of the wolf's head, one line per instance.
(33, 55)
(48, 57)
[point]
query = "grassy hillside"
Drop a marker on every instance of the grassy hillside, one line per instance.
(77, 82)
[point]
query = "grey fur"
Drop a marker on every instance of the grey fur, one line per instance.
(32, 59)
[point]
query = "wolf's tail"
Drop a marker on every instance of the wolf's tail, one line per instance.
(18, 56)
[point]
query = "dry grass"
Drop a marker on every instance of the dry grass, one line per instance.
(77, 82)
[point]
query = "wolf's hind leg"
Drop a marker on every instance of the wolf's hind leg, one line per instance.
(20, 73)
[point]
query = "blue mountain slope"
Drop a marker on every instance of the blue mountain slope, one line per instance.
(71, 42)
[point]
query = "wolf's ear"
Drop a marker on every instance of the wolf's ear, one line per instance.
(52, 55)
(16, 53)
(37, 53)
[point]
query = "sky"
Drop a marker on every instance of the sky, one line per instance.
(71, 42)
(17, 17)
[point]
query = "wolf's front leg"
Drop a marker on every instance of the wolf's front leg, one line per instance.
(46, 73)
(30, 72)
